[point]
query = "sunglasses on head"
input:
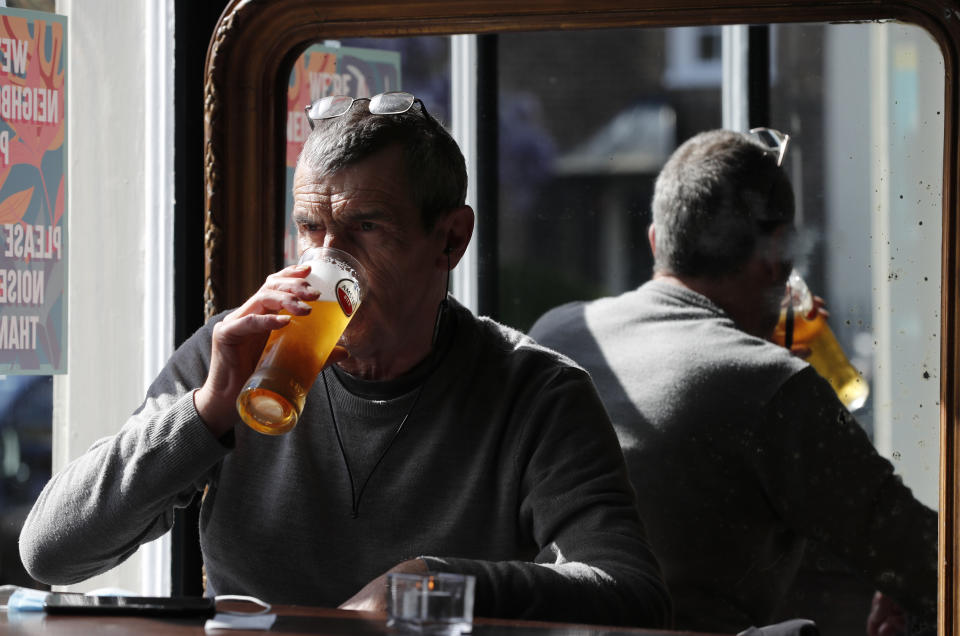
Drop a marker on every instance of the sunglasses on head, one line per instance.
(389, 103)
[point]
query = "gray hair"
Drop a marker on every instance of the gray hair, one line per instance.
(715, 200)
(435, 168)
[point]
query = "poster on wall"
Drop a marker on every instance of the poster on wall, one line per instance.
(33, 182)
(322, 70)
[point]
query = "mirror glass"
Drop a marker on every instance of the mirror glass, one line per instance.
(587, 118)
(584, 132)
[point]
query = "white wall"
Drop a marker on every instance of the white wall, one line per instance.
(106, 194)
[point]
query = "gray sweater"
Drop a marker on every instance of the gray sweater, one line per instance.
(738, 452)
(507, 468)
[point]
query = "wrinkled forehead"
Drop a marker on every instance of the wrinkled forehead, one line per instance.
(375, 183)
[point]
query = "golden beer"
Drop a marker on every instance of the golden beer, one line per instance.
(826, 355)
(272, 399)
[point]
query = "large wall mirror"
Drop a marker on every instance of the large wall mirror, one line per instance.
(586, 107)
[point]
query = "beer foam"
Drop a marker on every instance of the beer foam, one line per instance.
(325, 274)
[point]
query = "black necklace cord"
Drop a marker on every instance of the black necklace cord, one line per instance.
(343, 452)
(355, 497)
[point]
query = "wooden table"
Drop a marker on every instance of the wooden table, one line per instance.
(290, 620)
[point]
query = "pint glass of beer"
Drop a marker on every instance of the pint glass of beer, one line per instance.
(272, 399)
(826, 355)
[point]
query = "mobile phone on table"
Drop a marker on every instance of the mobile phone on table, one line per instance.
(74, 603)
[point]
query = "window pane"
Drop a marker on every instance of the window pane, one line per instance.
(866, 161)
(26, 411)
(26, 416)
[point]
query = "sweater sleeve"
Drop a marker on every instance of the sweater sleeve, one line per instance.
(594, 564)
(825, 477)
(122, 492)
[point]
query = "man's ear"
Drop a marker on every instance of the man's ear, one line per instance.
(457, 231)
(652, 237)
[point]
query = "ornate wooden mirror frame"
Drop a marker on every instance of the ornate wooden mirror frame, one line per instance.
(246, 77)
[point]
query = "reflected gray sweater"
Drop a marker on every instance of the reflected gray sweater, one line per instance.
(738, 452)
(507, 468)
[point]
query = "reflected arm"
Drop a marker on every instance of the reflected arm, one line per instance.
(826, 478)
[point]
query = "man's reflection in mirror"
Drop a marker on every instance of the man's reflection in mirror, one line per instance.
(739, 451)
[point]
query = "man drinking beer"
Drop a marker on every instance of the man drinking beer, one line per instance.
(441, 442)
(750, 449)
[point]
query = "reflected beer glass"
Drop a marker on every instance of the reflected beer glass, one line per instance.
(826, 355)
(272, 399)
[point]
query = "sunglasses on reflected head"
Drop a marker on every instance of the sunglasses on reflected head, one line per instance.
(773, 141)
